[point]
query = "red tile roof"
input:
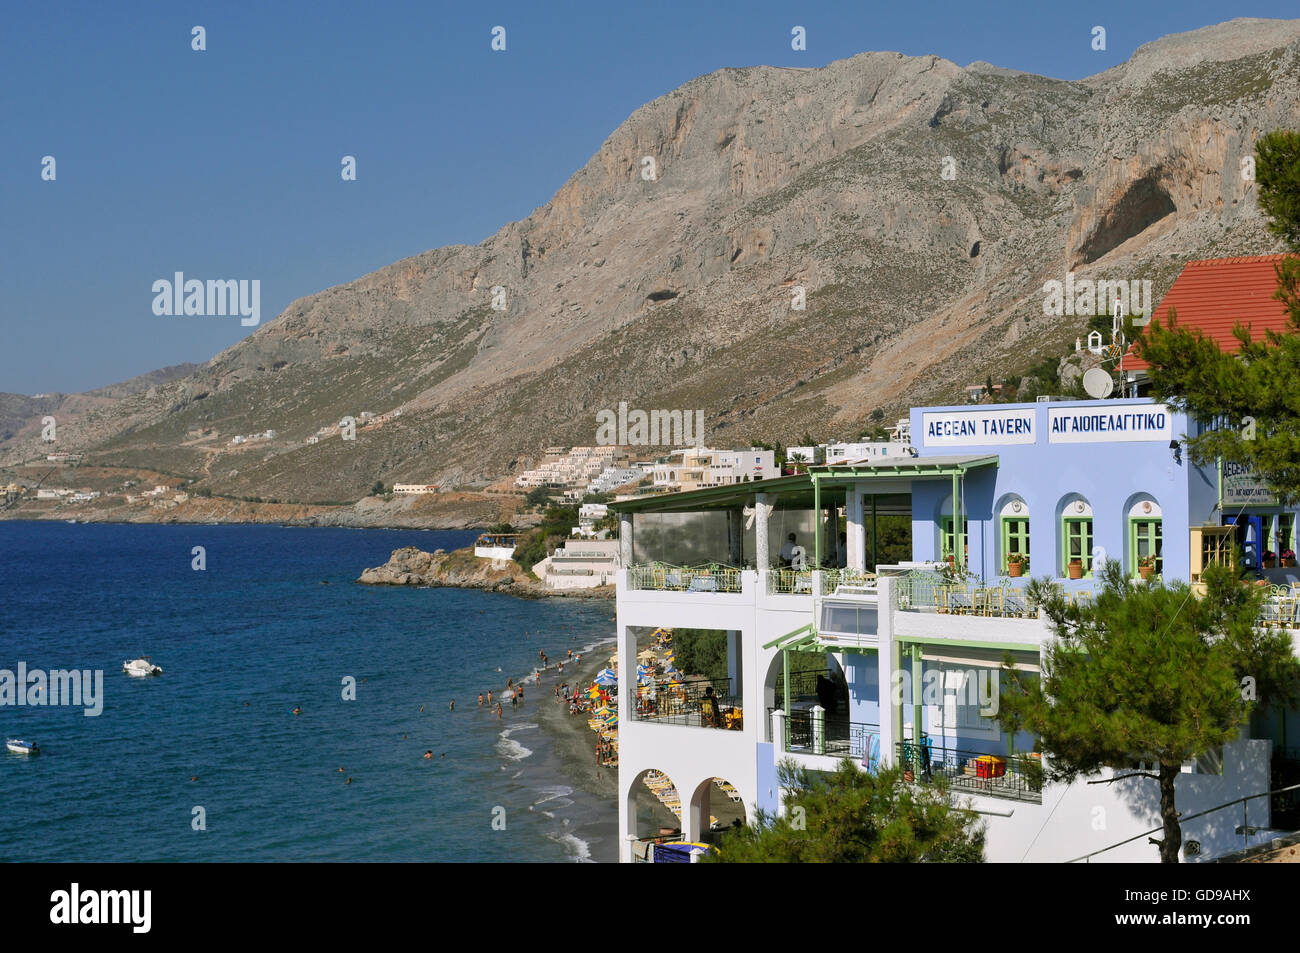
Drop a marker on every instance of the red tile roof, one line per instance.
(1214, 294)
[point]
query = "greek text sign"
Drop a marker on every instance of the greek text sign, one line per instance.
(1109, 425)
(1242, 488)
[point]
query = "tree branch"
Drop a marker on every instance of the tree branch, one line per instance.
(1135, 774)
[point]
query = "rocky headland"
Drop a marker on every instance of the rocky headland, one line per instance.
(461, 569)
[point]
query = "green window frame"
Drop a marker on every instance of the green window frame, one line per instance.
(1145, 537)
(1283, 533)
(1015, 537)
(945, 539)
(1076, 543)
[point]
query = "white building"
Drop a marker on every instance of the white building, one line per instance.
(414, 489)
(496, 546)
(695, 468)
(580, 564)
(905, 655)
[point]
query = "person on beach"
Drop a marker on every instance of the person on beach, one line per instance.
(514, 702)
(569, 654)
(498, 711)
(489, 698)
(510, 682)
(559, 668)
(519, 692)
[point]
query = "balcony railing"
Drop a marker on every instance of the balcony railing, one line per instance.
(928, 592)
(1282, 608)
(1019, 777)
(839, 737)
(668, 578)
(848, 581)
(683, 703)
(790, 582)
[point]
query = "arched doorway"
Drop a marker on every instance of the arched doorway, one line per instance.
(653, 807)
(716, 805)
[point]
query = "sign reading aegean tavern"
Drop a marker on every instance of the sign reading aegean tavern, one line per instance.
(971, 428)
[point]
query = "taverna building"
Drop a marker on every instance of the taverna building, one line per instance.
(893, 666)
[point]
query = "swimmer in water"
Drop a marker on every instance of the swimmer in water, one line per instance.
(421, 708)
(428, 756)
(498, 711)
(297, 710)
(480, 699)
(452, 706)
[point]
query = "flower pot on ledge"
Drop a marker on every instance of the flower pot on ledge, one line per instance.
(1075, 569)
(1270, 564)
(1146, 571)
(1289, 563)
(1015, 570)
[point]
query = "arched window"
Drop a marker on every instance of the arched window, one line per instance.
(1145, 537)
(1014, 520)
(1076, 536)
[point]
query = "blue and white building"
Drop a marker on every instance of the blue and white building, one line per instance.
(888, 664)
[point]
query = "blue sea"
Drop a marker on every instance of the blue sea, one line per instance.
(275, 621)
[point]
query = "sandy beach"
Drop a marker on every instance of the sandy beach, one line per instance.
(574, 742)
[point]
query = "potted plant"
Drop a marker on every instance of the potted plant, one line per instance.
(1146, 566)
(1270, 559)
(1075, 568)
(1288, 557)
(1017, 563)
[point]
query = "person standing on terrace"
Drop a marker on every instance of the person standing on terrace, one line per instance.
(787, 551)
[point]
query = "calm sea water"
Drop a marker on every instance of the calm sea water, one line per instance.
(275, 621)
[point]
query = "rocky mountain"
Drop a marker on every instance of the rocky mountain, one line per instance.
(918, 207)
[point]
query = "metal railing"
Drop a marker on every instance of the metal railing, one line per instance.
(1282, 608)
(667, 578)
(839, 737)
(683, 703)
(1018, 777)
(852, 580)
(924, 592)
(789, 582)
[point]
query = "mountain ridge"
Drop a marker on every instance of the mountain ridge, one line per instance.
(676, 291)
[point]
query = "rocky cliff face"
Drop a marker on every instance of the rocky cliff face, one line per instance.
(919, 205)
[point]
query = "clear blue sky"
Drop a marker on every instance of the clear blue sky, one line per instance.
(225, 163)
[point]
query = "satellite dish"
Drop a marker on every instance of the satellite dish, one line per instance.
(1097, 383)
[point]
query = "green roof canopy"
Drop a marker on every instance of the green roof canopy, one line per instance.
(829, 483)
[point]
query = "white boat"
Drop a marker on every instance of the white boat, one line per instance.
(141, 667)
(21, 747)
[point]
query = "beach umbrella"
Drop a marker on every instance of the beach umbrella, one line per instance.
(607, 677)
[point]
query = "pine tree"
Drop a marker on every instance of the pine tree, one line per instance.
(855, 817)
(1150, 674)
